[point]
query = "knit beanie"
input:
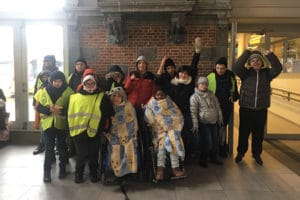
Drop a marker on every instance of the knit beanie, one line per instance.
(202, 80)
(120, 91)
(56, 75)
(256, 54)
(80, 59)
(141, 58)
(222, 61)
(169, 62)
(50, 58)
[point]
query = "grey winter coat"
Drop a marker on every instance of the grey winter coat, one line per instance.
(205, 108)
(255, 89)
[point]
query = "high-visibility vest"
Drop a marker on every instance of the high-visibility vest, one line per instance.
(84, 113)
(59, 121)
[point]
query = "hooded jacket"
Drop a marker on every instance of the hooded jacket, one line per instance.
(255, 89)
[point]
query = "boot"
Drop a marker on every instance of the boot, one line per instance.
(239, 157)
(258, 159)
(47, 176)
(39, 149)
(78, 178)
(94, 178)
(62, 173)
(178, 172)
(160, 173)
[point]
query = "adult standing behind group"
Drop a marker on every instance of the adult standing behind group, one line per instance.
(223, 84)
(180, 86)
(49, 65)
(140, 86)
(75, 78)
(254, 99)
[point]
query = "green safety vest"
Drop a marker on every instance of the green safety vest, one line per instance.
(212, 86)
(84, 113)
(59, 121)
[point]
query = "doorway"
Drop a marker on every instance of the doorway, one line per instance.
(21, 60)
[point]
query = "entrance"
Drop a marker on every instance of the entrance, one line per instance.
(284, 113)
(21, 59)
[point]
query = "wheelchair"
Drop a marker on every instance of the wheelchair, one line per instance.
(153, 150)
(106, 172)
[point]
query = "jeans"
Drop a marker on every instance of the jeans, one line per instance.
(208, 139)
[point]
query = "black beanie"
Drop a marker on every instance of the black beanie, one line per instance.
(169, 62)
(50, 58)
(57, 75)
(222, 61)
(80, 59)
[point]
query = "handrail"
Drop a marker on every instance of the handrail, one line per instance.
(290, 96)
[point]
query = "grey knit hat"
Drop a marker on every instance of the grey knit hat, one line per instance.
(141, 58)
(202, 80)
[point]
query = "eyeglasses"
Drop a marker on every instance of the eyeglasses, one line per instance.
(89, 83)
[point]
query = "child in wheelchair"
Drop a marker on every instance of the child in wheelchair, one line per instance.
(122, 139)
(166, 120)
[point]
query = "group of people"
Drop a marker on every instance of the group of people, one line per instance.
(186, 114)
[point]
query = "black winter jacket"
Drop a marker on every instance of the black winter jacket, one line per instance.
(255, 89)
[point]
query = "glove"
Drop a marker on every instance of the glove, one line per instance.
(197, 44)
(194, 130)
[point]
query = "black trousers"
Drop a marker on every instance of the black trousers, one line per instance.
(252, 121)
(2, 119)
(50, 135)
(87, 149)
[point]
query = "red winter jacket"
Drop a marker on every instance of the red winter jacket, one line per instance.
(140, 89)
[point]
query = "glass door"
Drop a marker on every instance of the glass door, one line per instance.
(23, 48)
(41, 40)
(7, 72)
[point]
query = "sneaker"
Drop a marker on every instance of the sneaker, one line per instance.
(239, 157)
(258, 159)
(39, 149)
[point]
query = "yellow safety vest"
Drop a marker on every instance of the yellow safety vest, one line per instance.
(84, 113)
(59, 122)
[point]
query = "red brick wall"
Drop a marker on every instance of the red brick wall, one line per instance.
(146, 36)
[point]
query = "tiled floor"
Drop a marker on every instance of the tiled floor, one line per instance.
(21, 178)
